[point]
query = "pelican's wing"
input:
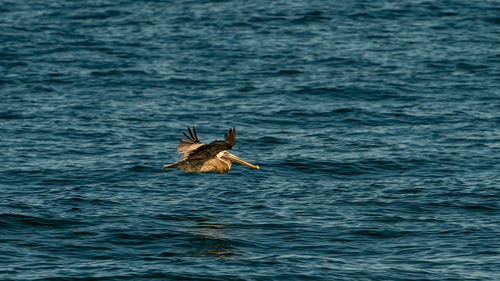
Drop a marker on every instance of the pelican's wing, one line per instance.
(230, 137)
(191, 144)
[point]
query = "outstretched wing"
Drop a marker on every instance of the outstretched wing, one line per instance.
(191, 144)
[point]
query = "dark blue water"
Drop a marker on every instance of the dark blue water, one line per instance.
(375, 124)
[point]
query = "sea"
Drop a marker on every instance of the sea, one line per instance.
(376, 126)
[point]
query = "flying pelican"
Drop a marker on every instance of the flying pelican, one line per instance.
(199, 157)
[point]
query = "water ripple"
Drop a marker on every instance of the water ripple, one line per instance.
(375, 125)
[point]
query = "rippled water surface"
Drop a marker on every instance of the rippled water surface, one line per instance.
(375, 124)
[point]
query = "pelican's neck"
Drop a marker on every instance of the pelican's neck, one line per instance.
(223, 159)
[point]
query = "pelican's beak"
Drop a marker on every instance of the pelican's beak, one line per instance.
(238, 160)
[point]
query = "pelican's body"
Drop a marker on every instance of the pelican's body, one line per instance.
(199, 157)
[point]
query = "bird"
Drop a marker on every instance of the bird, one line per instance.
(199, 157)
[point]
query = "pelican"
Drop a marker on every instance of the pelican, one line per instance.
(199, 157)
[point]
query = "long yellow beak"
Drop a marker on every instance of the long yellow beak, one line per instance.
(238, 160)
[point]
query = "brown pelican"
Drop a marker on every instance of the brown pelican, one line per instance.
(199, 157)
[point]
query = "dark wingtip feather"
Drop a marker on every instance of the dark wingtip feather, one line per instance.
(230, 136)
(193, 136)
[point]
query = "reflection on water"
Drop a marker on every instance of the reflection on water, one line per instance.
(210, 238)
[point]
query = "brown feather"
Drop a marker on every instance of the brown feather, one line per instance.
(192, 137)
(230, 137)
(191, 144)
(195, 134)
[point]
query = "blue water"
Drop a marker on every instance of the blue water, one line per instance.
(375, 124)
